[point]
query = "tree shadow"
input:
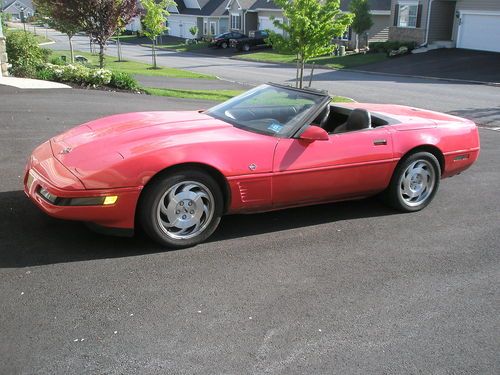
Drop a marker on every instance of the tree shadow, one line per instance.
(31, 238)
(482, 116)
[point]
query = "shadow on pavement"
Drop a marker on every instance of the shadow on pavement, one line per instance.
(31, 238)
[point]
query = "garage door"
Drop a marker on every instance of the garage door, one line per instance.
(265, 23)
(479, 32)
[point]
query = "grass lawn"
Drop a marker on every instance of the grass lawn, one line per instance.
(42, 39)
(336, 62)
(133, 67)
(180, 47)
(215, 95)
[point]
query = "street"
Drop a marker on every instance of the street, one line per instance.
(345, 288)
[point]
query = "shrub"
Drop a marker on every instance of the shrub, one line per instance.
(123, 81)
(391, 45)
(99, 77)
(24, 53)
(45, 74)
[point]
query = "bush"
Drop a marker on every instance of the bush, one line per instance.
(123, 81)
(24, 53)
(391, 45)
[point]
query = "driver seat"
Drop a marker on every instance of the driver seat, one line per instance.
(322, 119)
(358, 119)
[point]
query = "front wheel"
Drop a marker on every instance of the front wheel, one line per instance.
(224, 45)
(246, 47)
(182, 209)
(414, 182)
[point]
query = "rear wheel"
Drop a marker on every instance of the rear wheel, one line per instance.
(414, 182)
(224, 45)
(182, 209)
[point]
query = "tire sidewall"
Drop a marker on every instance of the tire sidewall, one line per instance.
(394, 196)
(154, 191)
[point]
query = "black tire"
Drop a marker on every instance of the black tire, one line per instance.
(427, 182)
(224, 45)
(148, 211)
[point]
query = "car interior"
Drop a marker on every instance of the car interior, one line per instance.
(336, 119)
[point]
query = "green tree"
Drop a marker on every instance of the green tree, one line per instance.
(308, 29)
(154, 21)
(61, 18)
(362, 18)
(100, 19)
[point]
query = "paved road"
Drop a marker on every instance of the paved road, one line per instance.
(348, 288)
(478, 102)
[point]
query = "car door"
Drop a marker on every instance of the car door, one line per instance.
(347, 165)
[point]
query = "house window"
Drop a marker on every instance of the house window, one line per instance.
(235, 21)
(205, 28)
(213, 28)
(408, 14)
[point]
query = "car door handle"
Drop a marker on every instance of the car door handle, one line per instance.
(380, 142)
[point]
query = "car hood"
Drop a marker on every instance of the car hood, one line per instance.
(99, 144)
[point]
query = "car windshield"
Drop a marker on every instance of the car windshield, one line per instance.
(268, 109)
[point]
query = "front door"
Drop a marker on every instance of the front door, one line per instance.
(347, 165)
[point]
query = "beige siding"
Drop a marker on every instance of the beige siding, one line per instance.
(441, 20)
(380, 29)
(267, 13)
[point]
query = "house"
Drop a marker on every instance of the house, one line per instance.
(15, 7)
(470, 24)
(210, 16)
(380, 11)
(252, 15)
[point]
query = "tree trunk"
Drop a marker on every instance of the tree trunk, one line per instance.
(297, 72)
(119, 48)
(71, 50)
(302, 63)
(101, 55)
(154, 53)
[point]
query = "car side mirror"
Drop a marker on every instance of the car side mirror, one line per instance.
(314, 133)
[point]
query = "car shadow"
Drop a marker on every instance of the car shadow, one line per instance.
(31, 238)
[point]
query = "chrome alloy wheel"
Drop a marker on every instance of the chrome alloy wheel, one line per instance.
(417, 183)
(185, 210)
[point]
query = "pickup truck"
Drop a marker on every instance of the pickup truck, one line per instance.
(256, 39)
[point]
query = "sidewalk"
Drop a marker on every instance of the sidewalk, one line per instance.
(27, 83)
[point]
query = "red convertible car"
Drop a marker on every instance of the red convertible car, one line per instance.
(176, 173)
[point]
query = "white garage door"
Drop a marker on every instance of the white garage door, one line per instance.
(265, 23)
(479, 32)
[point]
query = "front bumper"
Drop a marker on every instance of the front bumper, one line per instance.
(44, 173)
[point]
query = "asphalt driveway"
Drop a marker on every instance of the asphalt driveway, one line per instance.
(444, 63)
(347, 288)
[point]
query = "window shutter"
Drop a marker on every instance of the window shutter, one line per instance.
(350, 34)
(419, 15)
(396, 14)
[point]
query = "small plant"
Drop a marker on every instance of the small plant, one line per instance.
(194, 31)
(123, 81)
